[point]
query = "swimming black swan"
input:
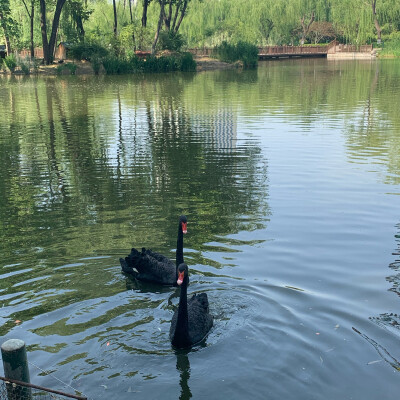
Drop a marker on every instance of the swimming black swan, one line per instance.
(149, 266)
(192, 320)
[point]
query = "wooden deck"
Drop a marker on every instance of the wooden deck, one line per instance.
(274, 52)
(265, 53)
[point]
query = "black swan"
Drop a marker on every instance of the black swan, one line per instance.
(192, 320)
(149, 266)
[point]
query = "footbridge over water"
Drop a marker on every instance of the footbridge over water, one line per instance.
(333, 49)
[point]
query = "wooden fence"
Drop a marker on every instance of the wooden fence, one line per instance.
(351, 48)
(292, 50)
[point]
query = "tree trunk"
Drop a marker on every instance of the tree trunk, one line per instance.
(133, 32)
(167, 18)
(32, 16)
(6, 37)
(377, 26)
(160, 21)
(49, 45)
(178, 6)
(115, 18)
(80, 28)
(144, 14)
(182, 15)
(56, 21)
(306, 28)
(43, 29)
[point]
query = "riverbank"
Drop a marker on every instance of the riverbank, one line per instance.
(203, 63)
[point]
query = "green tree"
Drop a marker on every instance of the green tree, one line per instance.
(146, 4)
(49, 44)
(7, 24)
(31, 14)
(160, 21)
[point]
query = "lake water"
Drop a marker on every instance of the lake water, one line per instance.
(290, 178)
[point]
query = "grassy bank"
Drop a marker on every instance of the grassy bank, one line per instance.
(242, 52)
(134, 64)
(390, 46)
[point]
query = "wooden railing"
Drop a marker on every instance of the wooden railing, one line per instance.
(350, 48)
(271, 50)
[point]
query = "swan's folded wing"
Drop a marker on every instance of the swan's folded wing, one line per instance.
(200, 320)
(150, 269)
(159, 257)
(201, 300)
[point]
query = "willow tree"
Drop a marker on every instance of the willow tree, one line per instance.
(304, 13)
(354, 18)
(385, 12)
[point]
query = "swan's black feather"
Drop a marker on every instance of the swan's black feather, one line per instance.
(190, 324)
(150, 266)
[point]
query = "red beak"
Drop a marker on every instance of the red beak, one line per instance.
(184, 227)
(181, 276)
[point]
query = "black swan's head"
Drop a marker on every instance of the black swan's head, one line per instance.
(183, 273)
(183, 223)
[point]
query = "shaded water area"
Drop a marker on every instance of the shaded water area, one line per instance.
(290, 178)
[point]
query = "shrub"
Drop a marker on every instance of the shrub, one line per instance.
(36, 63)
(133, 64)
(86, 51)
(186, 62)
(96, 64)
(242, 51)
(10, 62)
(25, 68)
(117, 65)
(71, 67)
(391, 49)
(170, 40)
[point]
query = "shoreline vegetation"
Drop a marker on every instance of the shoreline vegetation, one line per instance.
(225, 56)
(84, 67)
(86, 59)
(154, 35)
(111, 34)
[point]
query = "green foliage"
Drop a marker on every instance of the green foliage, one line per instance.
(187, 63)
(134, 64)
(25, 67)
(75, 14)
(242, 51)
(170, 40)
(96, 64)
(117, 65)
(207, 23)
(71, 67)
(391, 46)
(86, 51)
(10, 62)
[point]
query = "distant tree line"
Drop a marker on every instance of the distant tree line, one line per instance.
(129, 25)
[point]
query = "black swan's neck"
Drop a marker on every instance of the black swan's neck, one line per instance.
(181, 336)
(179, 246)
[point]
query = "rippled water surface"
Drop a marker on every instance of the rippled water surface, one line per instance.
(290, 178)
